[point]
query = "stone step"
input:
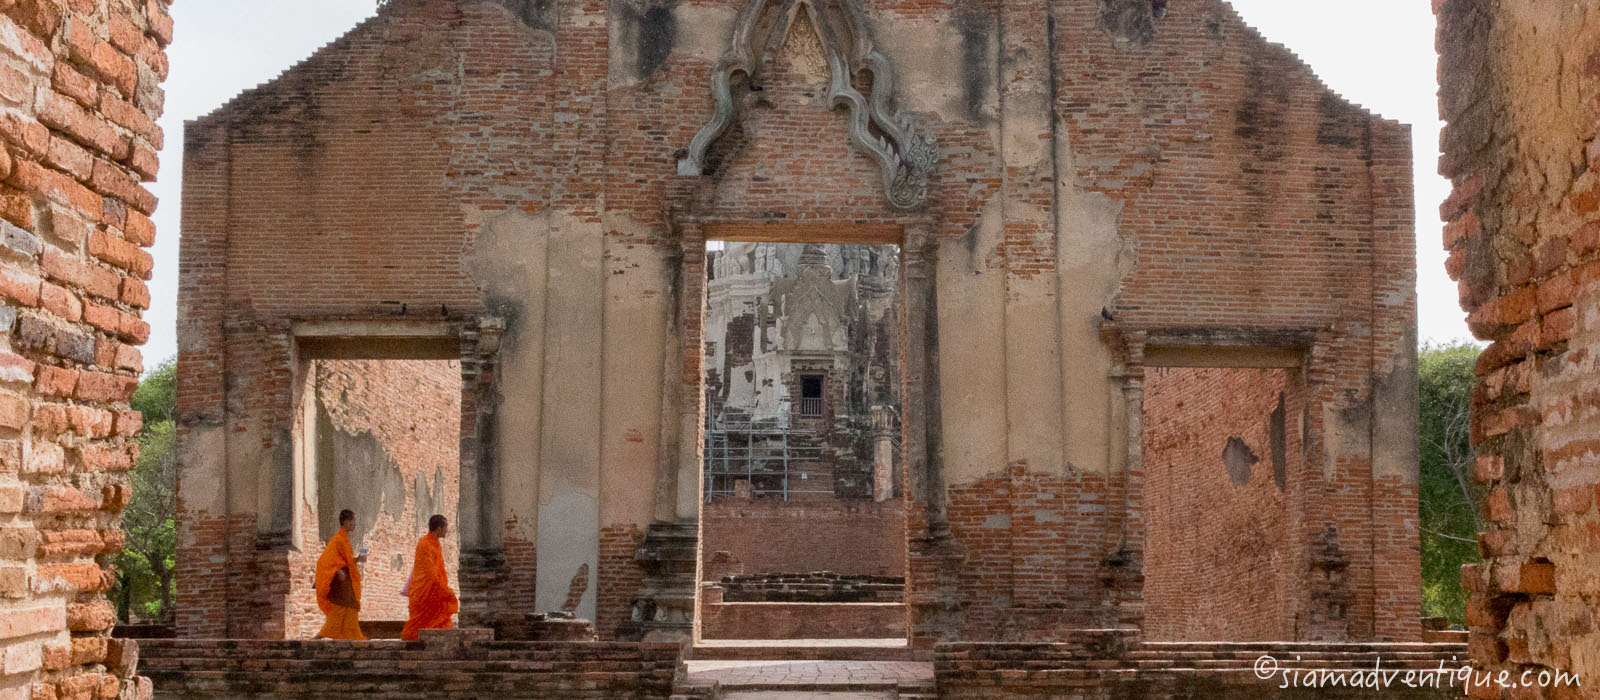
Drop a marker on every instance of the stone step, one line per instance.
(845, 650)
(809, 695)
(792, 675)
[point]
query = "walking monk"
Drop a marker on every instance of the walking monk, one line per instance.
(338, 583)
(432, 602)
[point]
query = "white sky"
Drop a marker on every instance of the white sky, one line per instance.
(1377, 53)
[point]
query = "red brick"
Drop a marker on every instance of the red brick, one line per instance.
(89, 421)
(61, 302)
(125, 34)
(29, 136)
(1497, 506)
(41, 17)
(93, 131)
(19, 287)
(15, 207)
(105, 459)
(120, 253)
(34, 177)
(69, 158)
(95, 616)
(104, 317)
(139, 230)
(68, 81)
(51, 418)
(15, 86)
(99, 386)
(129, 358)
(134, 329)
(56, 381)
(13, 412)
(1537, 578)
(135, 293)
(15, 369)
(129, 423)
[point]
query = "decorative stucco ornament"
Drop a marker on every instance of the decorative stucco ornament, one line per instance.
(906, 154)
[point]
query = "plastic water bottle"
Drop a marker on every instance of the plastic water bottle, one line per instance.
(362, 558)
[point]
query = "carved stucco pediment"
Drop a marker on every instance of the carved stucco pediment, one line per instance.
(904, 152)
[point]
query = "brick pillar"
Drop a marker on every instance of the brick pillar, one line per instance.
(481, 572)
(933, 556)
(1125, 559)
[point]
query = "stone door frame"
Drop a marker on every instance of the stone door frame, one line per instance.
(684, 402)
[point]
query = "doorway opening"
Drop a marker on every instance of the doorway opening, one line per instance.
(1224, 503)
(802, 514)
(377, 432)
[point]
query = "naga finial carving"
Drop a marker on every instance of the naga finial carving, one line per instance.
(904, 151)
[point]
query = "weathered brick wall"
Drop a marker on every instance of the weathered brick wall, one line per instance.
(845, 537)
(397, 256)
(1518, 90)
(79, 97)
(1222, 451)
(1239, 191)
(1198, 179)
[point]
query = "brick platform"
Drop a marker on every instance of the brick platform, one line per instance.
(1091, 665)
(392, 670)
(1096, 667)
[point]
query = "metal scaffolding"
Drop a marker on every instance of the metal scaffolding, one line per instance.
(772, 456)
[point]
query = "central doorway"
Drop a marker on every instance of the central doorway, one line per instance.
(802, 512)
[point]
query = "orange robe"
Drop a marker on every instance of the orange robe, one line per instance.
(432, 603)
(343, 622)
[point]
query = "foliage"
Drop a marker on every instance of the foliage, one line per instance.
(1449, 500)
(144, 586)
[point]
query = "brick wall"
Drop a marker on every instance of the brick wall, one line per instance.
(1522, 147)
(79, 97)
(845, 537)
(1221, 448)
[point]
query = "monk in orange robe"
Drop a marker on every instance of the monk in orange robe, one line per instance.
(432, 602)
(343, 620)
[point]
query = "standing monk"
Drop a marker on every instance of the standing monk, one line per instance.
(431, 600)
(338, 595)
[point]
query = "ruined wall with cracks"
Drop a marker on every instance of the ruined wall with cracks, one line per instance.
(80, 92)
(1522, 148)
(1223, 493)
(1128, 187)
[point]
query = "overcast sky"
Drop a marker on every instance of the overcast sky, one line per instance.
(1377, 53)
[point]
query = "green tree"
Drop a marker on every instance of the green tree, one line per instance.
(144, 586)
(1448, 498)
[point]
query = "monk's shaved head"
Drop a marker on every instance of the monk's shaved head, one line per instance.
(346, 516)
(437, 523)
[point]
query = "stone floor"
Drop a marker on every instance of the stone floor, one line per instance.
(809, 675)
(807, 695)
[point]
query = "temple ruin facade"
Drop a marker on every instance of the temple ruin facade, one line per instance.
(527, 194)
(1153, 317)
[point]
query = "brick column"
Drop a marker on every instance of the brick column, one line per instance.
(481, 570)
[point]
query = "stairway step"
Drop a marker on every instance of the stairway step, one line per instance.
(757, 651)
